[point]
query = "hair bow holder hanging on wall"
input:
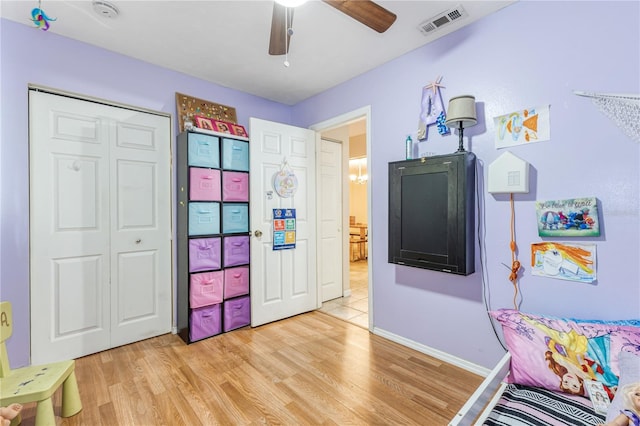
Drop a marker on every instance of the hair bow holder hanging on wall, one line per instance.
(509, 174)
(285, 182)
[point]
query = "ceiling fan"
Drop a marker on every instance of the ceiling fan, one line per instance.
(367, 12)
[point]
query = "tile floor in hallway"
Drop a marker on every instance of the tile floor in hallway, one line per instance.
(355, 308)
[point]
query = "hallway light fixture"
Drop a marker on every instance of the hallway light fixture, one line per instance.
(359, 178)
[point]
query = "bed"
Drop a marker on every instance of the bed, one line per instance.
(524, 388)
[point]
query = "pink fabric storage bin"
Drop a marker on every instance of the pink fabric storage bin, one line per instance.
(236, 313)
(236, 281)
(204, 184)
(236, 250)
(205, 288)
(235, 186)
(205, 322)
(204, 254)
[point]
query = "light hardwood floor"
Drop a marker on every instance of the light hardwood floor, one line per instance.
(312, 369)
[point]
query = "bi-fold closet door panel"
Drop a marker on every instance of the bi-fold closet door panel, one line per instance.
(100, 226)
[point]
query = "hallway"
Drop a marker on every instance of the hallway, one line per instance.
(355, 308)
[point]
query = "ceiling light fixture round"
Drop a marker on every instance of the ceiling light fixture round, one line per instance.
(105, 9)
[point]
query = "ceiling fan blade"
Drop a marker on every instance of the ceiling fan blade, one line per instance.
(280, 36)
(367, 12)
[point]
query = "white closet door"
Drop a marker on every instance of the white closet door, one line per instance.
(140, 226)
(99, 226)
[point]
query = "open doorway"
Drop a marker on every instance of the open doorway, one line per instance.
(354, 303)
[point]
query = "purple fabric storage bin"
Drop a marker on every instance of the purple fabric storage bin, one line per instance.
(204, 184)
(205, 288)
(236, 313)
(236, 281)
(235, 186)
(236, 250)
(204, 254)
(205, 322)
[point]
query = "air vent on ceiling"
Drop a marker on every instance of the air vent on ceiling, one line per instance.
(442, 19)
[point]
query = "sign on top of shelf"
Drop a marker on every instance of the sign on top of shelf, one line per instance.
(220, 126)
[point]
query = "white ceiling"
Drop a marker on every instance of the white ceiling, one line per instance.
(226, 42)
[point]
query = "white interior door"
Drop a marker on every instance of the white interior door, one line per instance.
(282, 282)
(100, 232)
(330, 210)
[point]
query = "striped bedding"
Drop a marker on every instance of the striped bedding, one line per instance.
(528, 406)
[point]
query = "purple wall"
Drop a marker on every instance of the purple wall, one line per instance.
(526, 55)
(43, 58)
(529, 54)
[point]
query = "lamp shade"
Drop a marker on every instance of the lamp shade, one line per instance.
(462, 110)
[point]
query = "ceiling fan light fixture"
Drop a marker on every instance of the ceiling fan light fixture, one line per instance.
(291, 3)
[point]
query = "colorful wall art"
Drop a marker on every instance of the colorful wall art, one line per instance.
(522, 127)
(432, 110)
(284, 229)
(576, 217)
(572, 262)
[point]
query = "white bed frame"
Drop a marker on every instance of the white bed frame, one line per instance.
(486, 396)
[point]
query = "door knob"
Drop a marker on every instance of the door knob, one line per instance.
(258, 233)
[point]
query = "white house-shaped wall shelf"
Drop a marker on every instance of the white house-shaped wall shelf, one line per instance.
(508, 174)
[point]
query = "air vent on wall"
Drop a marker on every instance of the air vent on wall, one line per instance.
(430, 25)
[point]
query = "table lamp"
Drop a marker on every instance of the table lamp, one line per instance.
(461, 112)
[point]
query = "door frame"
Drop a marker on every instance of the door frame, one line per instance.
(323, 126)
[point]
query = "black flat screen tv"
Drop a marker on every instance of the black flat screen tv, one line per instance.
(431, 213)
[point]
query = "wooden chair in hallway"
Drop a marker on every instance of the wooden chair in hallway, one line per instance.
(36, 383)
(358, 238)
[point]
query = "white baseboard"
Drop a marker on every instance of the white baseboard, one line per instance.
(346, 293)
(443, 356)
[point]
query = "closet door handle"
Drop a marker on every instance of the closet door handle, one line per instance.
(258, 233)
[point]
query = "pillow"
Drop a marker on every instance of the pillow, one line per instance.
(629, 364)
(558, 354)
